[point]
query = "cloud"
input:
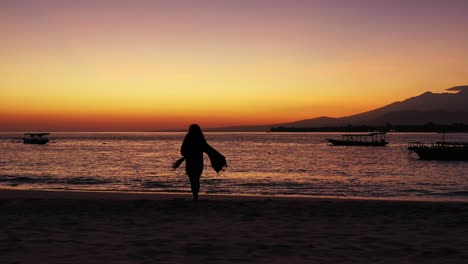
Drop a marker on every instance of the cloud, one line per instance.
(458, 88)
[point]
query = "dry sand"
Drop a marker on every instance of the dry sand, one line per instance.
(74, 227)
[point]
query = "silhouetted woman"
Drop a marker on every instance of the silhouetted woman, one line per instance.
(192, 151)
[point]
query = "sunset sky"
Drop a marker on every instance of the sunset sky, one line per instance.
(146, 65)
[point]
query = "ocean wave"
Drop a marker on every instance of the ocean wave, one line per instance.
(419, 191)
(148, 184)
(21, 179)
(88, 180)
(79, 180)
(422, 192)
(453, 193)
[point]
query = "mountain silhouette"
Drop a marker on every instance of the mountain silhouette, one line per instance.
(440, 108)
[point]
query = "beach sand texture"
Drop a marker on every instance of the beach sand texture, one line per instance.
(62, 227)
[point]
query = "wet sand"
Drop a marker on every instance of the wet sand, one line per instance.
(84, 227)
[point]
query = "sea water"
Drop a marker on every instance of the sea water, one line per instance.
(258, 163)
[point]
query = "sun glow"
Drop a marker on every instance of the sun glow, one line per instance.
(96, 67)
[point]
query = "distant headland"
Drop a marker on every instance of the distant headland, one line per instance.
(428, 112)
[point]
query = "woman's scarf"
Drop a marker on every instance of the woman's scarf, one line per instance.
(218, 161)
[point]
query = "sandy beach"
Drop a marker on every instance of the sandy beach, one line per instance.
(87, 227)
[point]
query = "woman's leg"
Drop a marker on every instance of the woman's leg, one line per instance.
(194, 168)
(195, 185)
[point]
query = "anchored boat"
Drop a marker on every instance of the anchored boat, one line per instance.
(372, 139)
(35, 138)
(440, 150)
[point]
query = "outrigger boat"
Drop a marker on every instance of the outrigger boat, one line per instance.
(35, 138)
(372, 139)
(440, 150)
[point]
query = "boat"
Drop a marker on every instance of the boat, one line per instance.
(35, 138)
(372, 139)
(440, 150)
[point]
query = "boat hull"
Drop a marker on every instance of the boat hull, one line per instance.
(428, 153)
(356, 143)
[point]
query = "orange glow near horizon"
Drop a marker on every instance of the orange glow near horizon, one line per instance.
(95, 66)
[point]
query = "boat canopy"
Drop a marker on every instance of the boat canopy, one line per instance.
(365, 135)
(36, 134)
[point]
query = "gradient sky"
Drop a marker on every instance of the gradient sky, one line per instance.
(148, 65)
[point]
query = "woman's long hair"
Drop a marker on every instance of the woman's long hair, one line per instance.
(194, 138)
(195, 133)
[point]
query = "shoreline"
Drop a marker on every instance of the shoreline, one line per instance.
(11, 193)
